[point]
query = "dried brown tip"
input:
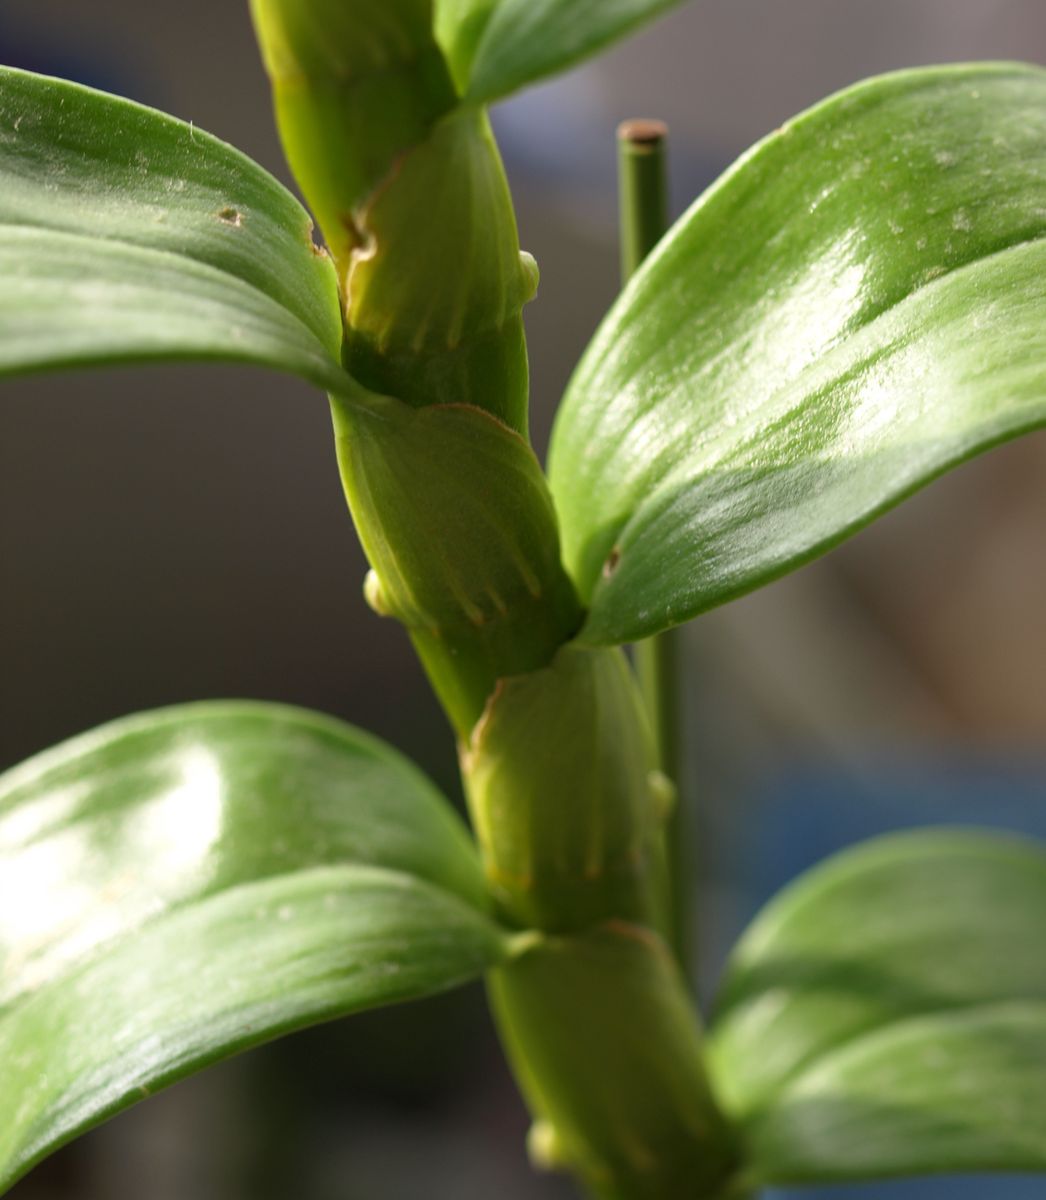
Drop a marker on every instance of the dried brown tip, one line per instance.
(642, 131)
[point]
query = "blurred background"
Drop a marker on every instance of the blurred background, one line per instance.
(173, 534)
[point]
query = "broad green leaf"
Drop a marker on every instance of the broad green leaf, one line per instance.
(495, 47)
(958, 1092)
(181, 884)
(886, 1014)
(857, 306)
(102, 832)
(215, 977)
(459, 26)
(126, 235)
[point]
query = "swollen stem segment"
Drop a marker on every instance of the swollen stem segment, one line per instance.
(410, 194)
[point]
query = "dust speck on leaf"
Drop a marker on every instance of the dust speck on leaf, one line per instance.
(961, 221)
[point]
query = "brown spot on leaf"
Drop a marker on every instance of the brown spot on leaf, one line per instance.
(315, 245)
(611, 564)
(231, 216)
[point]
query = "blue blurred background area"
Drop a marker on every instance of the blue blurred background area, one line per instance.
(173, 534)
(807, 812)
(982, 1187)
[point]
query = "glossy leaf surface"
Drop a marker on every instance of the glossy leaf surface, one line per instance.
(886, 1015)
(857, 306)
(499, 46)
(182, 884)
(126, 235)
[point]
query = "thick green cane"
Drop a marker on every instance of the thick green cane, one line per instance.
(452, 508)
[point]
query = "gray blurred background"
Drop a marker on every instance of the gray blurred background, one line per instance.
(172, 534)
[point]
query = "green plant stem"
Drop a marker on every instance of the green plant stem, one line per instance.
(643, 190)
(559, 768)
(643, 205)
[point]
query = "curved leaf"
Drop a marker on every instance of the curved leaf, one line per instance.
(182, 884)
(235, 970)
(887, 1014)
(857, 306)
(957, 1092)
(495, 47)
(126, 235)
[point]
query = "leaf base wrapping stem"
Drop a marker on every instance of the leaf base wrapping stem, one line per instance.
(606, 1047)
(596, 1017)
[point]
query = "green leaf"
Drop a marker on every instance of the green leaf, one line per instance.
(886, 1014)
(857, 306)
(182, 884)
(458, 26)
(126, 235)
(213, 978)
(495, 47)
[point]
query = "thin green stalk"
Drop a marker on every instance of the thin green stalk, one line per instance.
(643, 190)
(643, 204)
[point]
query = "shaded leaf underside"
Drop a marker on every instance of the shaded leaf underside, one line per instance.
(886, 1015)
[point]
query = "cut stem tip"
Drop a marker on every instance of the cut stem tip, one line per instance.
(642, 132)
